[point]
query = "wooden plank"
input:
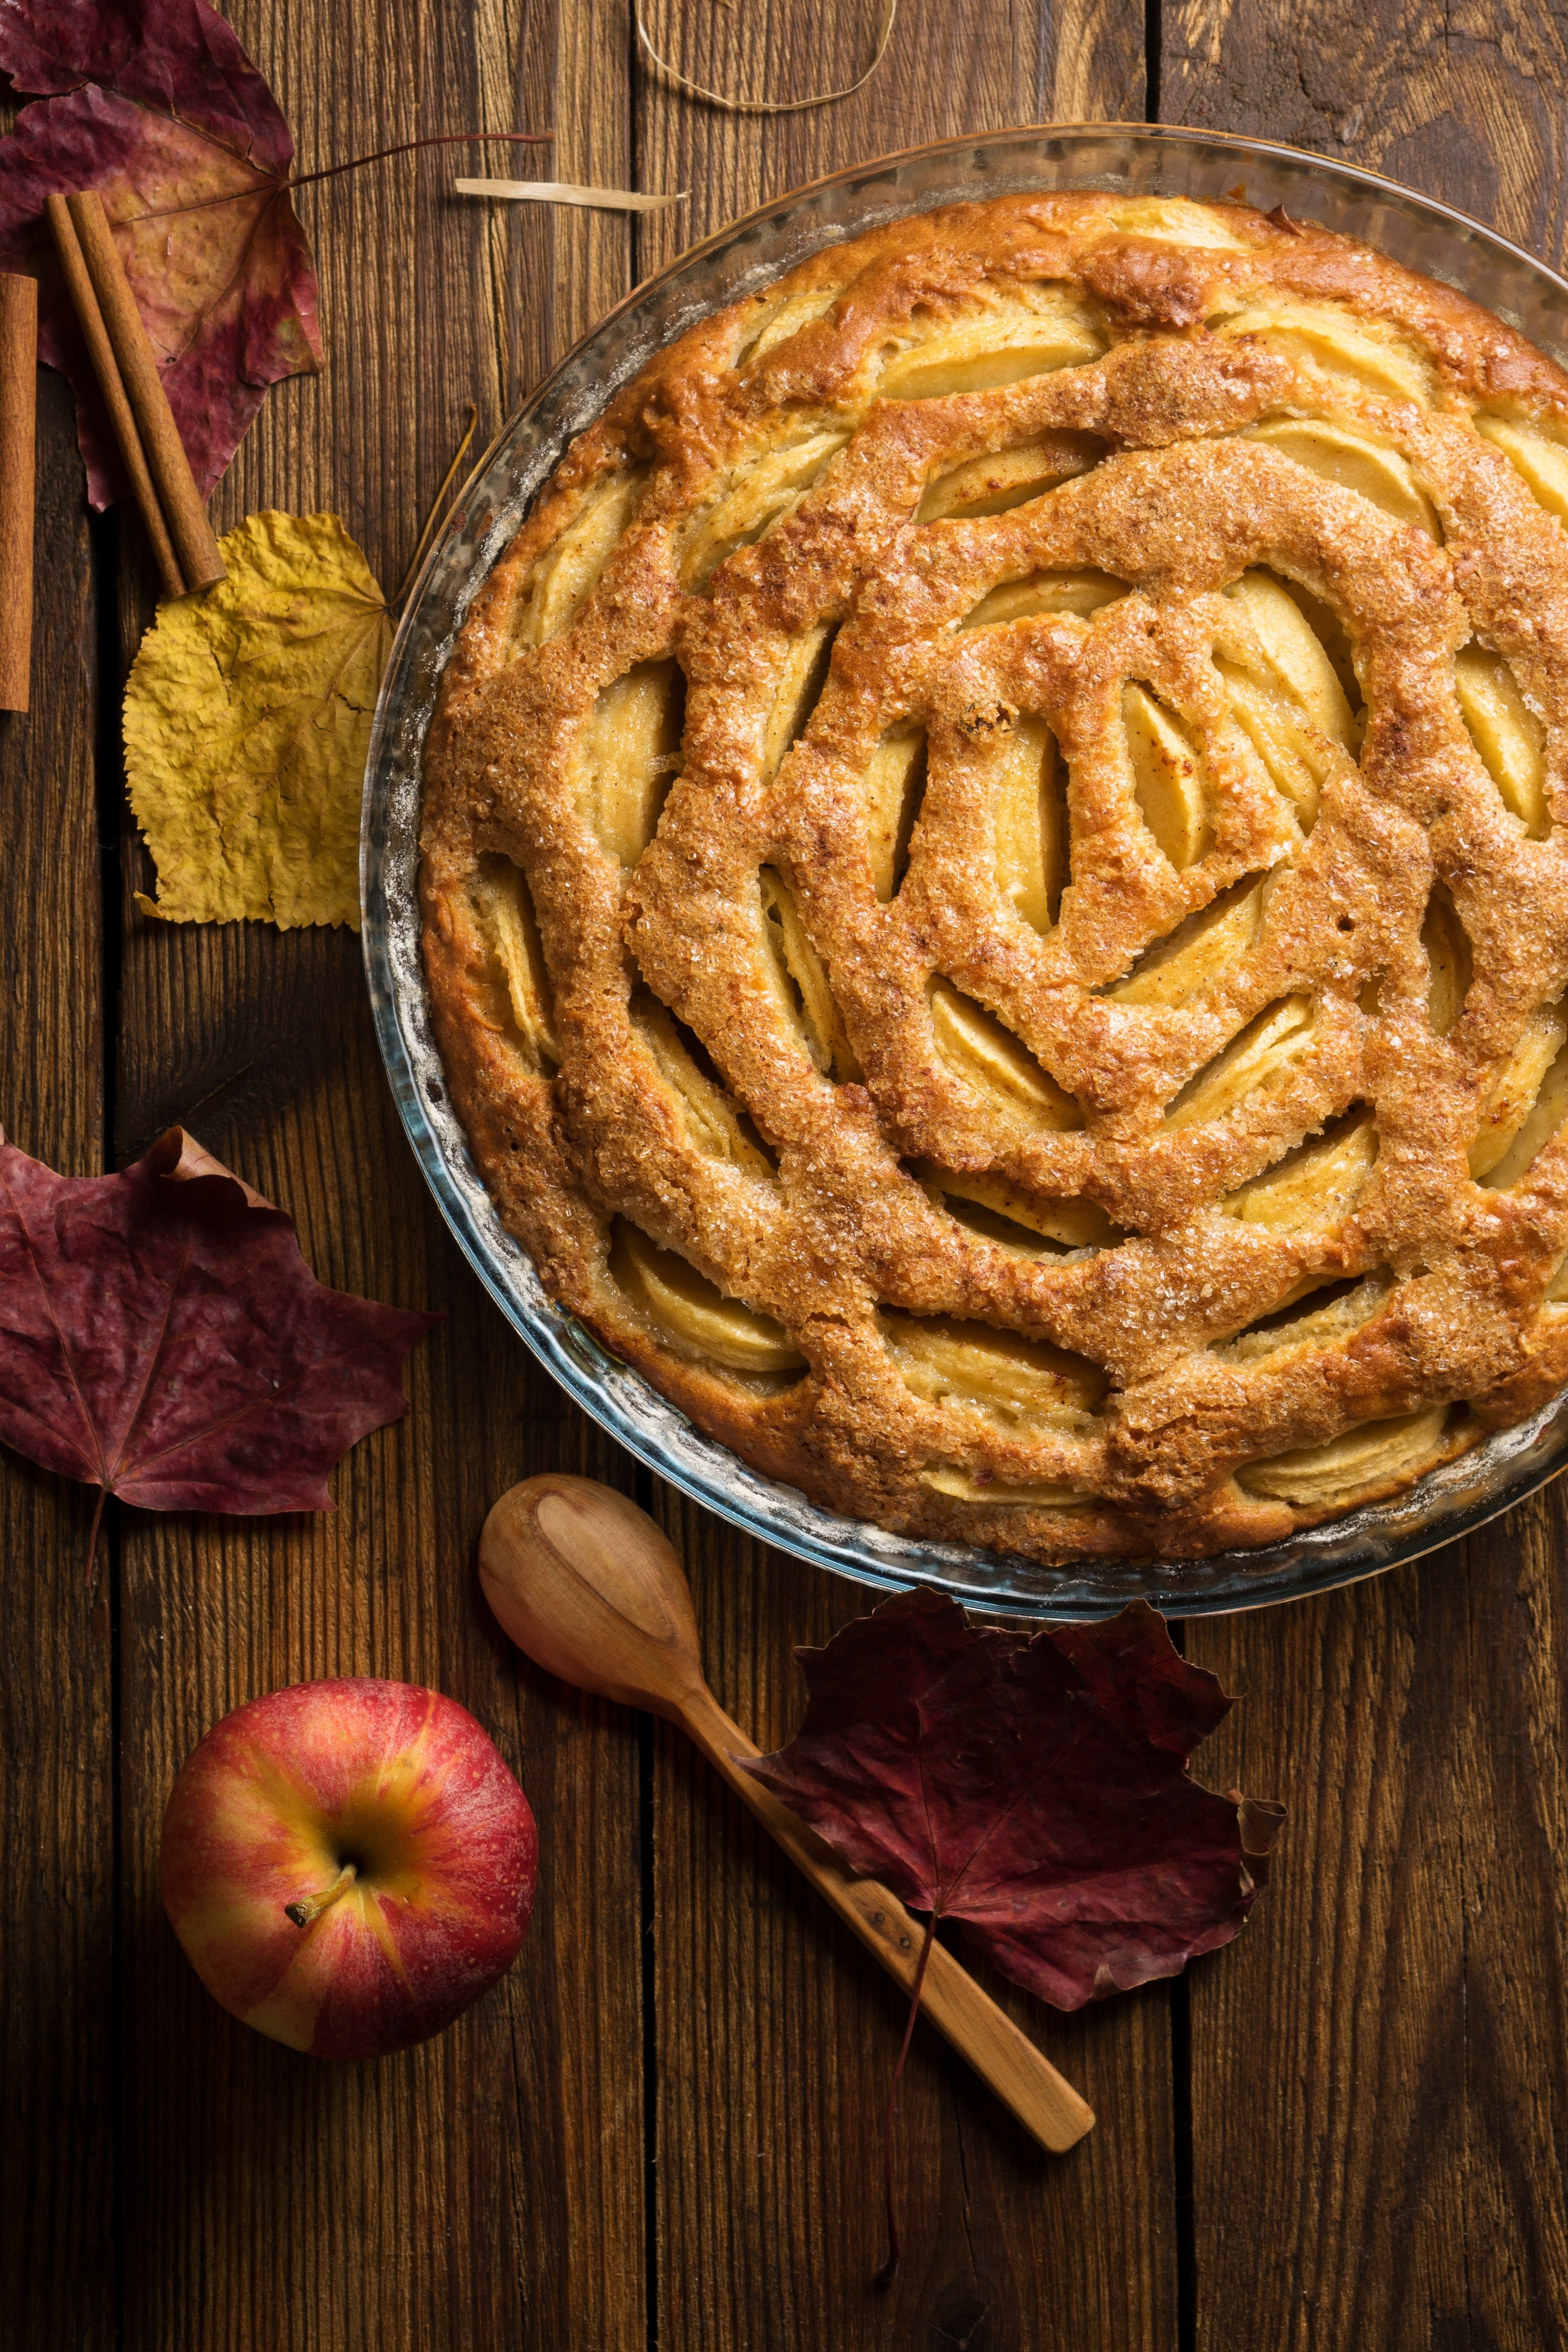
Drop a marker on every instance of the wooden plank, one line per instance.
(1467, 112)
(775, 2033)
(1380, 2073)
(1379, 2095)
(961, 67)
(56, 1826)
(488, 2188)
(777, 2037)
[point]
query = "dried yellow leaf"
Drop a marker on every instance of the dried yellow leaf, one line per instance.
(248, 718)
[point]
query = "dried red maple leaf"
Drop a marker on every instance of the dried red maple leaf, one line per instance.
(163, 1339)
(155, 104)
(1034, 1786)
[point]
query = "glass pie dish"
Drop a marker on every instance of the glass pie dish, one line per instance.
(1422, 236)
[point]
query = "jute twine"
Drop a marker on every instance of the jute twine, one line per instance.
(765, 105)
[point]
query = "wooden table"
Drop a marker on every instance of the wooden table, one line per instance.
(662, 2128)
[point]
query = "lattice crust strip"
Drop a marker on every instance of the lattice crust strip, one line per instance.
(995, 879)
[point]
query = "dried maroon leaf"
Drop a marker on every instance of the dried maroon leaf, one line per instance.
(161, 1337)
(1034, 1786)
(155, 104)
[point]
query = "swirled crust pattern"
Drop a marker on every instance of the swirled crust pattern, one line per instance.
(994, 877)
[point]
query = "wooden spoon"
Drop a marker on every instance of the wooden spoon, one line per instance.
(587, 1585)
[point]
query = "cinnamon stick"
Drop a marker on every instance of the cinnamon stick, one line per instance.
(105, 367)
(183, 510)
(18, 442)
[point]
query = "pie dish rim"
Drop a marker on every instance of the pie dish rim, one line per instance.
(1129, 160)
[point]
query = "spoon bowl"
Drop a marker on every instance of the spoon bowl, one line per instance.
(589, 1587)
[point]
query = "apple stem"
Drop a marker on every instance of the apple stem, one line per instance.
(308, 1909)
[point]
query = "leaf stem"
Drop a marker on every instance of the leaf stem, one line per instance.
(92, 1537)
(889, 2270)
(438, 508)
(408, 146)
(271, 189)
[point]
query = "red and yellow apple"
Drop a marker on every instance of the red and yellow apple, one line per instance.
(348, 1864)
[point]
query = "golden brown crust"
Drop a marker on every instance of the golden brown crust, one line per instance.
(1004, 810)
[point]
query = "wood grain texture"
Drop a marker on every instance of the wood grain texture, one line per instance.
(1380, 2075)
(777, 2037)
(1464, 103)
(1380, 2097)
(960, 66)
(56, 1817)
(486, 2188)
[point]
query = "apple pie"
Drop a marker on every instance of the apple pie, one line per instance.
(994, 881)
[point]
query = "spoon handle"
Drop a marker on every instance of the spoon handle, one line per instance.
(1046, 2105)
